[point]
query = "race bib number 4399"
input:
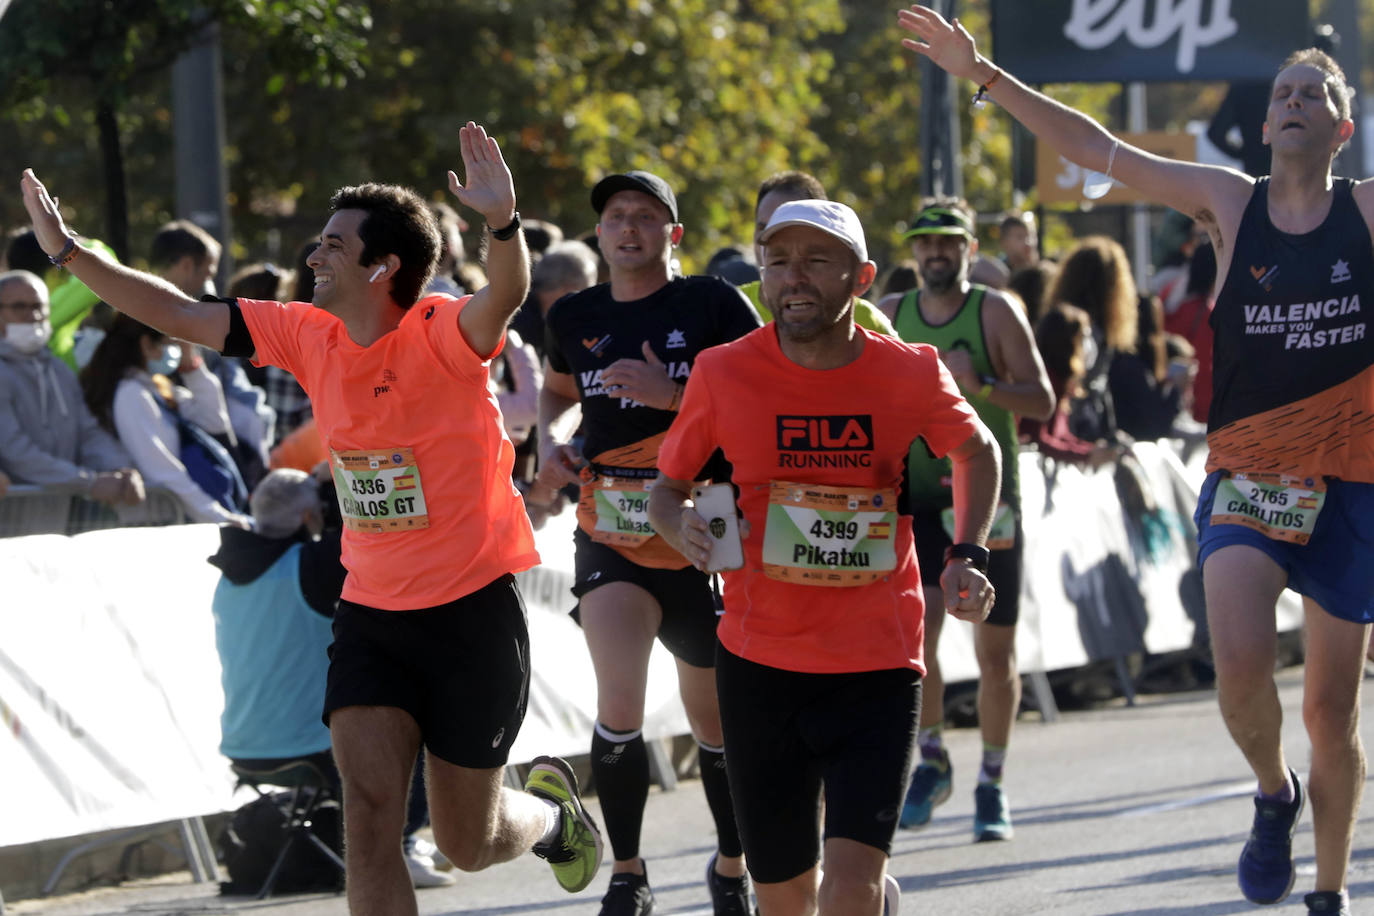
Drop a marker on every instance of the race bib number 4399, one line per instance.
(822, 535)
(379, 490)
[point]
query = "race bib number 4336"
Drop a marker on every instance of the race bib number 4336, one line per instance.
(379, 490)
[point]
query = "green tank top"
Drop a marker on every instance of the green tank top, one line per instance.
(929, 477)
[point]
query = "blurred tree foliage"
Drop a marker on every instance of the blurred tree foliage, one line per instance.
(712, 94)
(69, 68)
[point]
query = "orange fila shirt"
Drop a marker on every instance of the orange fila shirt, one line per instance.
(420, 457)
(830, 581)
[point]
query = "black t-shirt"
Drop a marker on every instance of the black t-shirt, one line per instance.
(588, 331)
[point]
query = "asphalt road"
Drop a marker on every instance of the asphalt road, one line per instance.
(1118, 811)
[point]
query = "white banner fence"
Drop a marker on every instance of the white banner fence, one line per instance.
(109, 680)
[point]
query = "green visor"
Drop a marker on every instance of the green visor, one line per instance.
(939, 221)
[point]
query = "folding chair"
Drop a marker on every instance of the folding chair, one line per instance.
(308, 787)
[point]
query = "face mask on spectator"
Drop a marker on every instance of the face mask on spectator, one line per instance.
(167, 363)
(28, 337)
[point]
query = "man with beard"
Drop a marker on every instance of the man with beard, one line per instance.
(986, 344)
(819, 663)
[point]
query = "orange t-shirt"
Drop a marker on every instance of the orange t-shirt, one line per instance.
(822, 431)
(420, 456)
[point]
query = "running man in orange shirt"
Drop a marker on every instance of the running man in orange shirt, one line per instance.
(820, 652)
(430, 616)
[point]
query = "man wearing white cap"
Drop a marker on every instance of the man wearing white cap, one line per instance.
(820, 657)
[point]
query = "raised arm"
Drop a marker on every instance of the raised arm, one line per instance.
(150, 299)
(491, 192)
(1213, 195)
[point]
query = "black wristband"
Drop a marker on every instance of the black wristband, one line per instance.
(506, 233)
(977, 556)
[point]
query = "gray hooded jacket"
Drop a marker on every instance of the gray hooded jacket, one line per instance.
(47, 434)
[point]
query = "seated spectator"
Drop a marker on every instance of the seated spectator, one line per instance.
(187, 256)
(274, 608)
(167, 429)
(47, 434)
(1192, 321)
(1063, 335)
(70, 302)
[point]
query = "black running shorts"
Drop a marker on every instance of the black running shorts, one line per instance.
(1004, 568)
(462, 670)
(685, 595)
(788, 734)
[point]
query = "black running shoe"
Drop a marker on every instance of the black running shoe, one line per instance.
(729, 896)
(628, 895)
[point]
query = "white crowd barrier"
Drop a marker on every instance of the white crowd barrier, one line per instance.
(109, 680)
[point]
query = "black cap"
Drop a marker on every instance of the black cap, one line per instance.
(645, 182)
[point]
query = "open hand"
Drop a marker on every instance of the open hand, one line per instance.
(489, 189)
(948, 44)
(43, 214)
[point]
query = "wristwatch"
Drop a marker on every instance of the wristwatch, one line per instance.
(977, 556)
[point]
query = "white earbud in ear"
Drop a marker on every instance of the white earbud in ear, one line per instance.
(376, 273)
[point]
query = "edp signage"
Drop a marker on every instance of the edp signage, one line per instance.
(1063, 41)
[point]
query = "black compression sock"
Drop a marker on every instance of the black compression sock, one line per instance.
(620, 766)
(717, 787)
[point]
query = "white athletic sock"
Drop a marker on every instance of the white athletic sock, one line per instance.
(553, 822)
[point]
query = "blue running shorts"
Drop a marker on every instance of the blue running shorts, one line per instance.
(1335, 567)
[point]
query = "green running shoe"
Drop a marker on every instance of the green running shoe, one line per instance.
(576, 854)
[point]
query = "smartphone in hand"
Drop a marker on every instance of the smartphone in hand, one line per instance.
(716, 503)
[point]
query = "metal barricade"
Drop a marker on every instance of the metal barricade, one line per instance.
(29, 509)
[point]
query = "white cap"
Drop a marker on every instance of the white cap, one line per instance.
(826, 215)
